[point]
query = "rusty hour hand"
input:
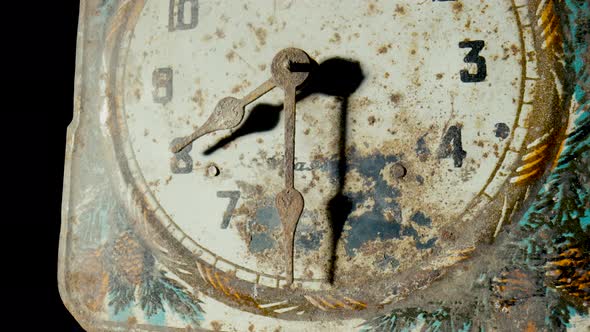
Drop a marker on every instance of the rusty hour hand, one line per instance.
(228, 114)
(289, 72)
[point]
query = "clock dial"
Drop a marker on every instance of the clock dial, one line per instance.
(405, 133)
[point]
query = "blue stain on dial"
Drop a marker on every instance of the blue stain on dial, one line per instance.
(384, 221)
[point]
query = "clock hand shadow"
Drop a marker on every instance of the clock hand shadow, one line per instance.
(339, 78)
(336, 77)
(262, 117)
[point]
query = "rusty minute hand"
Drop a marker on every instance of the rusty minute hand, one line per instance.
(288, 69)
(289, 201)
(228, 114)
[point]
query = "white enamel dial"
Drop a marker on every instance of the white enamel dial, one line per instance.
(407, 111)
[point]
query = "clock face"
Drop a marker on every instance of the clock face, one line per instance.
(407, 130)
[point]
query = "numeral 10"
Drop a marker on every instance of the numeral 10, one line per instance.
(184, 14)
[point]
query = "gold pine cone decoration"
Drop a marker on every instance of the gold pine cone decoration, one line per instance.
(128, 257)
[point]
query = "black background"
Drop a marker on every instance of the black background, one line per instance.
(39, 38)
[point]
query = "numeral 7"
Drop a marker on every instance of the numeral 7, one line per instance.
(233, 196)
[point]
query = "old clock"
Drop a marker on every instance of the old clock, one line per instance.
(282, 165)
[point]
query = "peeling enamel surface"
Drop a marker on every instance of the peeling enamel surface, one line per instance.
(410, 96)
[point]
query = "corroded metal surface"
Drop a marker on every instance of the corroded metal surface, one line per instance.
(289, 202)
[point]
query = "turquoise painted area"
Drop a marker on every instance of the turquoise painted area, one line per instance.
(182, 304)
(585, 220)
(578, 9)
(419, 321)
(578, 12)
(579, 93)
(436, 325)
(158, 319)
(122, 316)
(410, 319)
(466, 327)
(572, 312)
(107, 7)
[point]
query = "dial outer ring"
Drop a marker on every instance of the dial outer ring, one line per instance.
(209, 273)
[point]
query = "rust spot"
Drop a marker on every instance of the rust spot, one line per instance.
(243, 230)
(230, 56)
(219, 33)
(457, 7)
(92, 284)
(514, 49)
(496, 150)
(447, 235)
(240, 87)
(468, 24)
(395, 98)
(531, 327)
(383, 49)
(260, 34)
(198, 98)
(155, 183)
(531, 56)
(361, 102)
(509, 50)
(371, 120)
(236, 89)
(336, 38)
(216, 326)
(400, 9)
(440, 76)
(373, 9)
